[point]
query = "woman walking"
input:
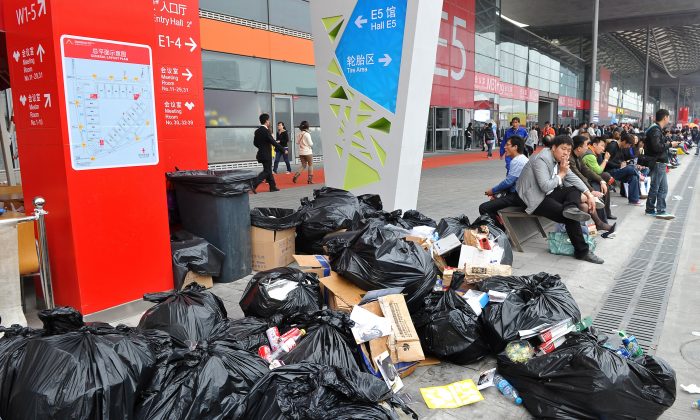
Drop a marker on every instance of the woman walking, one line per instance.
(306, 155)
(283, 140)
(489, 138)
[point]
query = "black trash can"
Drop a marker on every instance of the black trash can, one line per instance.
(214, 205)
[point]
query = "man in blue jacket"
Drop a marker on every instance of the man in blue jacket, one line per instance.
(514, 130)
(515, 147)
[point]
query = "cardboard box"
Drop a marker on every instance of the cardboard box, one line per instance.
(193, 277)
(475, 238)
(404, 344)
(340, 294)
(272, 248)
(317, 264)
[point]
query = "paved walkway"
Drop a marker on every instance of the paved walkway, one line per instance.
(453, 190)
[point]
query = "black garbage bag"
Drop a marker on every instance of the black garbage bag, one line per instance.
(328, 340)
(226, 183)
(532, 301)
(415, 218)
(370, 204)
(377, 257)
(449, 329)
(91, 372)
(330, 211)
(447, 227)
(497, 235)
(205, 380)
(248, 332)
(284, 291)
(188, 315)
(314, 392)
(192, 253)
(271, 218)
(583, 380)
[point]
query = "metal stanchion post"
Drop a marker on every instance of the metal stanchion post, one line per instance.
(44, 265)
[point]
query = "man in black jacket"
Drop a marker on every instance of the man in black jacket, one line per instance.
(264, 141)
(656, 152)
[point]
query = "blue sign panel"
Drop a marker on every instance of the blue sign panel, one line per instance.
(369, 52)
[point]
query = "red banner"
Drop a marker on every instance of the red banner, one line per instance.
(604, 93)
(576, 103)
(492, 84)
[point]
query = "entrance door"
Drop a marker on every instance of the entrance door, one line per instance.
(430, 132)
(443, 129)
(282, 111)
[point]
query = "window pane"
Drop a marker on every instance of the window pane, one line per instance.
(306, 109)
(253, 10)
(293, 78)
(228, 71)
(291, 14)
(484, 65)
(519, 78)
(485, 46)
(230, 144)
(520, 64)
(228, 108)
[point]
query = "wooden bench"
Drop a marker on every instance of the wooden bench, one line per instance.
(521, 226)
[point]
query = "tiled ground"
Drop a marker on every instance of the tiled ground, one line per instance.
(454, 190)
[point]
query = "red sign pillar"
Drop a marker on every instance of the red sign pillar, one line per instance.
(107, 99)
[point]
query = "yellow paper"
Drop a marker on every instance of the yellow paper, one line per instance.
(453, 395)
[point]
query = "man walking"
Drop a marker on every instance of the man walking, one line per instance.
(695, 133)
(657, 150)
(514, 130)
(264, 141)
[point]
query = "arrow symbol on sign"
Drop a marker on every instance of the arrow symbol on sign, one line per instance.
(47, 102)
(187, 74)
(16, 56)
(23, 100)
(42, 7)
(386, 60)
(191, 44)
(359, 21)
(40, 52)
(189, 105)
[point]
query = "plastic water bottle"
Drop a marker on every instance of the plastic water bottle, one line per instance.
(506, 389)
(695, 404)
(633, 346)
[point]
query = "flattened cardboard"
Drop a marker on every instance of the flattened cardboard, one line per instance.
(317, 264)
(193, 277)
(404, 344)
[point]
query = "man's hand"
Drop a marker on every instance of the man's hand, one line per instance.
(597, 194)
(606, 156)
(489, 192)
(563, 168)
(604, 187)
(591, 202)
(675, 143)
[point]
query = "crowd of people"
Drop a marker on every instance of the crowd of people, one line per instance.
(570, 181)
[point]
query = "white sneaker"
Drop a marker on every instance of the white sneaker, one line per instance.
(665, 216)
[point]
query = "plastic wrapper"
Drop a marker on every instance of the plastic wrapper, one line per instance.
(192, 253)
(283, 291)
(583, 380)
(370, 204)
(532, 301)
(188, 315)
(89, 372)
(377, 257)
(328, 340)
(313, 391)
(275, 218)
(226, 183)
(206, 380)
(449, 329)
(415, 218)
(330, 211)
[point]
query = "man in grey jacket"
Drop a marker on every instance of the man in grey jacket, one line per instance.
(549, 189)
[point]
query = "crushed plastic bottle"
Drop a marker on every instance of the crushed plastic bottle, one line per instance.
(695, 404)
(507, 389)
(631, 344)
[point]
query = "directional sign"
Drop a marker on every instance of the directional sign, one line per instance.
(369, 52)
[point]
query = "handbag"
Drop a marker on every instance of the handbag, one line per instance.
(560, 244)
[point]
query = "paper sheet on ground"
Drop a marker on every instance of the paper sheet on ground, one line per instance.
(368, 326)
(692, 388)
(453, 395)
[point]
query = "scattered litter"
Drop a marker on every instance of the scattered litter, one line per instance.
(486, 379)
(691, 389)
(368, 326)
(388, 371)
(696, 333)
(677, 198)
(454, 395)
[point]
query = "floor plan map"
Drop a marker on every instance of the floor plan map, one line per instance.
(110, 103)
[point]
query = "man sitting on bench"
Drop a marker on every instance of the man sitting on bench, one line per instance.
(515, 146)
(548, 188)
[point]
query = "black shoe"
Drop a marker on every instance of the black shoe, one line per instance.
(574, 213)
(591, 258)
(273, 189)
(610, 233)
(611, 217)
